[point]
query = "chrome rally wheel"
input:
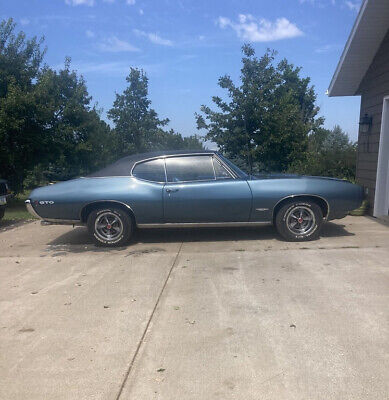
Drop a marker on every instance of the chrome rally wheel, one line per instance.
(110, 226)
(299, 221)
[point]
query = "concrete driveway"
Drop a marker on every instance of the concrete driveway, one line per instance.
(206, 314)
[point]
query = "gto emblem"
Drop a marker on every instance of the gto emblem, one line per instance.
(46, 202)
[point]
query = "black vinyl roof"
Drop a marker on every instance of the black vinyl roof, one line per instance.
(123, 166)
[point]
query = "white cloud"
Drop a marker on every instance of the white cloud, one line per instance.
(154, 38)
(130, 2)
(24, 21)
(327, 48)
(320, 4)
(141, 12)
(89, 34)
(116, 68)
(115, 45)
(261, 30)
(89, 3)
(353, 5)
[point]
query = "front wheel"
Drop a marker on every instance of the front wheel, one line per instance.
(299, 221)
(110, 226)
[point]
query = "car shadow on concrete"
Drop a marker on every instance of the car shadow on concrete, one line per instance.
(78, 239)
(9, 224)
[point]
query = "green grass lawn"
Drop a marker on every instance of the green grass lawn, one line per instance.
(16, 209)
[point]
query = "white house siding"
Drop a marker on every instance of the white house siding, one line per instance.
(373, 88)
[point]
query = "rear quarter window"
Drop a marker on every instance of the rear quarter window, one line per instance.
(153, 170)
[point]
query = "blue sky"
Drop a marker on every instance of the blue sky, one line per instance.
(185, 45)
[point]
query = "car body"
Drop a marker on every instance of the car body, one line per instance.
(4, 195)
(190, 189)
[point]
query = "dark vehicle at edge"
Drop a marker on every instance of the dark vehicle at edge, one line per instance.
(192, 189)
(4, 195)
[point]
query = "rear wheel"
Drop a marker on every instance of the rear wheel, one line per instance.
(110, 226)
(299, 221)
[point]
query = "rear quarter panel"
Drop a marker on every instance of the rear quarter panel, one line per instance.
(341, 196)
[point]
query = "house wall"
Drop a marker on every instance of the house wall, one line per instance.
(373, 88)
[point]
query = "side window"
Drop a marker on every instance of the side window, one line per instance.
(190, 168)
(220, 171)
(153, 170)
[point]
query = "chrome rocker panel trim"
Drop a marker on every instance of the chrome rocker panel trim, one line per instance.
(53, 221)
(202, 224)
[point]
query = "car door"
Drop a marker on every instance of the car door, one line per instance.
(199, 190)
(145, 194)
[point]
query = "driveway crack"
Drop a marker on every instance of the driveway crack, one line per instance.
(134, 357)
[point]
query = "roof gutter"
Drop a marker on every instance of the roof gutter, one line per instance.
(347, 47)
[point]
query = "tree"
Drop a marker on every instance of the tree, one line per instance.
(171, 140)
(79, 141)
(48, 127)
(267, 118)
(330, 153)
(138, 127)
(136, 124)
(20, 61)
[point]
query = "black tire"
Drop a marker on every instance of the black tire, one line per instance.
(307, 226)
(2, 212)
(114, 233)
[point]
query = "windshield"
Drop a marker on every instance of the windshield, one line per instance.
(237, 170)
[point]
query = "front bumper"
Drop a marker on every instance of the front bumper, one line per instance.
(50, 221)
(4, 198)
(31, 210)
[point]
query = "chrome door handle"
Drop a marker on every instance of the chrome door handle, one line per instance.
(171, 190)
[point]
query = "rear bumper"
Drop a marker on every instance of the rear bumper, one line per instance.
(4, 198)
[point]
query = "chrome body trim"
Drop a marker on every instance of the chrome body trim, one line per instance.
(261, 209)
(105, 201)
(31, 210)
(232, 173)
(54, 221)
(169, 156)
(302, 195)
(213, 155)
(202, 224)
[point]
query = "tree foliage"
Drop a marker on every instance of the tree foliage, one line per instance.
(20, 61)
(47, 122)
(137, 125)
(51, 130)
(265, 120)
(330, 153)
(79, 141)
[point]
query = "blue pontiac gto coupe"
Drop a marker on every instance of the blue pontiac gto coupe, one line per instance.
(191, 189)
